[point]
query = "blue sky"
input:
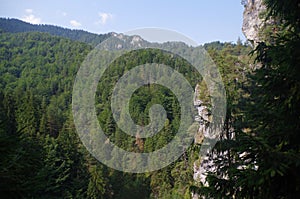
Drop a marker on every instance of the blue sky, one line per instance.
(201, 20)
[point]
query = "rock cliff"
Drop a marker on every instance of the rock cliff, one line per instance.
(253, 23)
(252, 20)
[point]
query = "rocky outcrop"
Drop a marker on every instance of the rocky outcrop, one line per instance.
(253, 23)
(203, 164)
(252, 20)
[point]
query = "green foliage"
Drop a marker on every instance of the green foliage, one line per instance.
(262, 159)
(142, 99)
(41, 155)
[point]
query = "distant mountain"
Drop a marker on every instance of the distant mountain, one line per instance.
(17, 26)
(120, 41)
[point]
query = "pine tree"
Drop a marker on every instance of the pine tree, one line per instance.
(264, 160)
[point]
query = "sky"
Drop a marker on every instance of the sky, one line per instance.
(202, 21)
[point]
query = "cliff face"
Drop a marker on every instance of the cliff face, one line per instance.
(252, 22)
(203, 164)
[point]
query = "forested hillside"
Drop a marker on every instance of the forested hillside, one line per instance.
(42, 155)
(18, 26)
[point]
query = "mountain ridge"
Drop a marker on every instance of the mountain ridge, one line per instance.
(12, 25)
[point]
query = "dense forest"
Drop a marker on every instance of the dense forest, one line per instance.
(43, 157)
(37, 120)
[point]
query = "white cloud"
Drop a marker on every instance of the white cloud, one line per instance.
(75, 23)
(29, 11)
(64, 14)
(30, 17)
(104, 17)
